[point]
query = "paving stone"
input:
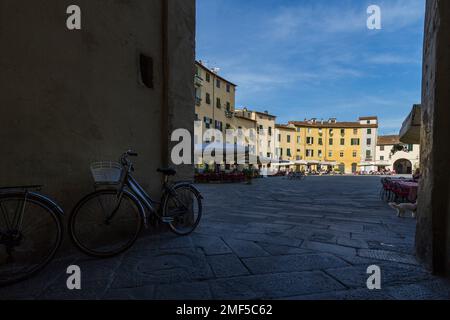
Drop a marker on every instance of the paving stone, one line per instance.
(183, 291)
(161, 267)
(227, 266)
(280, 240)
(290, 263)
(139, 293)
(330, 248)
(211, 245)
(246, 249)
(354, 243)
(354, 294)
(391, 274)
(388, 256)
(428, 290)
(279, 250)
(273, 285)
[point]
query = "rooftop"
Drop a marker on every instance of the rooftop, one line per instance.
(200, 64)
(329, 124)
(388, 140)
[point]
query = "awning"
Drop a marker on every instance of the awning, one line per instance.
(328, 163)
(383, 164)
(283, 163)
(410, 132)
(313, 162)
(366, 164)
(301, 162)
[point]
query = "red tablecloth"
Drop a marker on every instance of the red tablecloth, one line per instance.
(413, 187)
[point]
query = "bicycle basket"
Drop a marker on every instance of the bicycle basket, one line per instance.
(106, 172)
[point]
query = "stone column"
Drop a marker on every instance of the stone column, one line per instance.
(433, 230)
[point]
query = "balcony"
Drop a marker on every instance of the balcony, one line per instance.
(198, 101)
(198, 81)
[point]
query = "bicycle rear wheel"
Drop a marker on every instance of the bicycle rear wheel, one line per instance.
(184, 209)
(30, 242)
(104, 225)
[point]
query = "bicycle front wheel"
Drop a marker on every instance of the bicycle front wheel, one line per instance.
(30, 235)
(106, 223)
(183, 208)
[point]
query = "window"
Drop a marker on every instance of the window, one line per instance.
(320, 153)
(331, 131)
(299, 139)
(342, 131)
(341, 154)
(355, 154)
(228, 126)
(368, 154)
(288, 152)
(369, 131)
(330, 142)
(146, 70)
(228, 106)
(208, 77)
(355, 131)
(280, 152)
(381, 148)
(207, 122)
(288, 139)
(309, 140)
(196, 117)
(208, 98)
(270, 131)
(320, 142)
(218, 125)
(218, 83)
(279, 137)
(369, 142)
(330, 154)
(218, 104)
(309, 153)
(382, 158)
(342, 142)
(228, 87)
(309, 130)
(410, 147)
(368, 121)
(298, 129)
(355, 142)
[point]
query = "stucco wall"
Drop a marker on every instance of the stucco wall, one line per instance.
(72, 97)
(433, 231)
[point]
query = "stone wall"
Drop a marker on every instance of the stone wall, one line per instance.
(433, 231)
(72, 97)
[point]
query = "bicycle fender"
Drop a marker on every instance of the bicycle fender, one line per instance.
(190, 185)
(48, 201)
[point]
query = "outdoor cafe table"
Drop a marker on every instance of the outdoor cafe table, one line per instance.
(412, 187)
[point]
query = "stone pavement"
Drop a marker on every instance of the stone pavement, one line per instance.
(274, 239)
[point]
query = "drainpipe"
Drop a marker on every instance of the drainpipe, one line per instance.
(165, 112)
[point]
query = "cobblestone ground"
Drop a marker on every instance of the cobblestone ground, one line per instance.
(274, 239)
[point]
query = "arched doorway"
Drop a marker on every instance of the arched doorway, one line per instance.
(403, 166)
(354, 167)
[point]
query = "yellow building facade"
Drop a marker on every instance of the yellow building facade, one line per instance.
(330, 145)
(310, 144)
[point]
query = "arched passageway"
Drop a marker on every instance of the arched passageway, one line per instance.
(403, 166)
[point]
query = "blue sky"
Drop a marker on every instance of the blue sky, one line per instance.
(316, 58)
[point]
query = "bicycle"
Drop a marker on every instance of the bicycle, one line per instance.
(30, 232)
(108, 221)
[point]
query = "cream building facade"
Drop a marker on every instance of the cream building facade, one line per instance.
(403, 161)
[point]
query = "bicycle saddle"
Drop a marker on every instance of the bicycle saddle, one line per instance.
(167, 171)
